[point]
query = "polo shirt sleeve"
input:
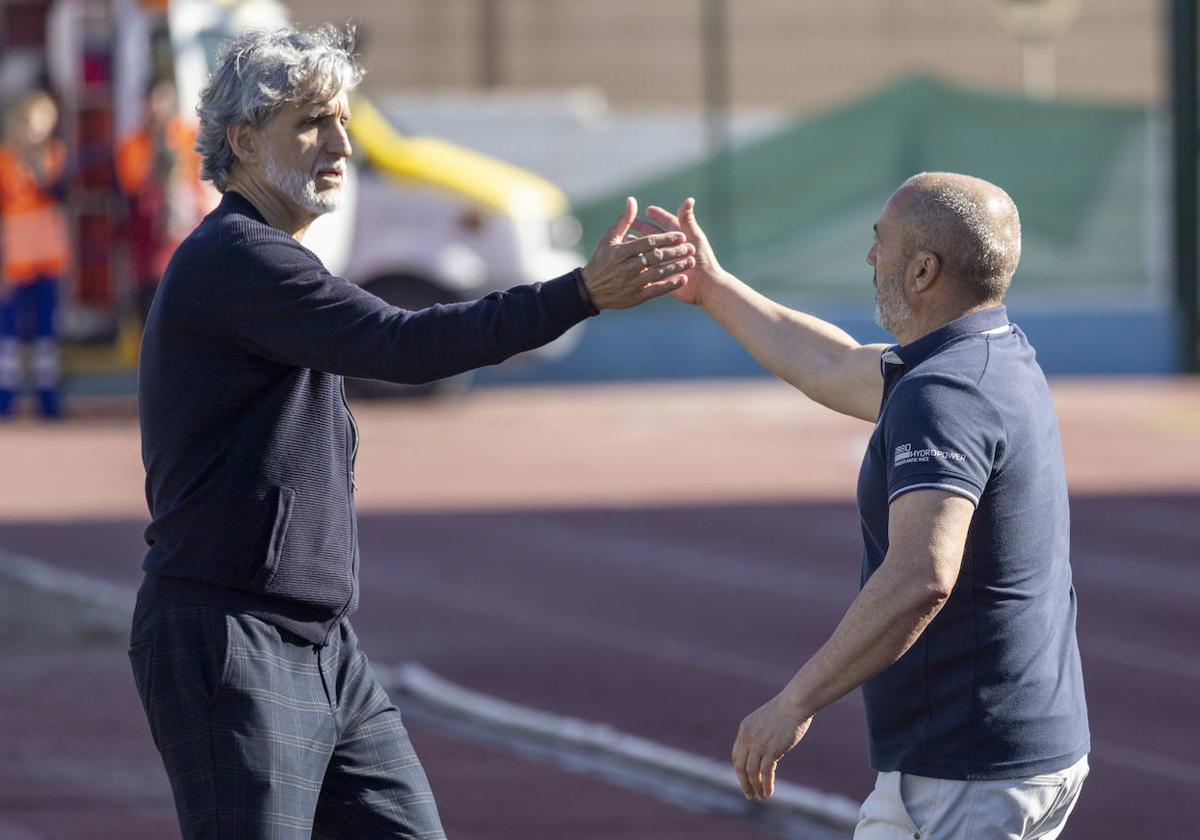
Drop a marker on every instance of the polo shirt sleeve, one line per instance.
(941, 433)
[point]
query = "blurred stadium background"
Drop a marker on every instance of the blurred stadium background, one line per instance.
(792, 122)
(666, 579)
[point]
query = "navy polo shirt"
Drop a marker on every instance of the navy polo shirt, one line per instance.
(993, 688)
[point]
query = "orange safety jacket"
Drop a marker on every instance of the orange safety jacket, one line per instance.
(160, 214)
(33, 226)
(135, 155)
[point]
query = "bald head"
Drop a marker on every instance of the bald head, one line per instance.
(971, 224)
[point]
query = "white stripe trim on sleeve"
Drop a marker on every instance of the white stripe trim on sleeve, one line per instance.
(949, 487)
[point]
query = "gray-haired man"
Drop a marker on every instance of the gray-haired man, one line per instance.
(269, 720)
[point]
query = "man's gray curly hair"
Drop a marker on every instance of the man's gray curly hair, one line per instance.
(257, 73)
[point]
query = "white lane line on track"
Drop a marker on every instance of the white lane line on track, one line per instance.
(46, 577)
(641, 757)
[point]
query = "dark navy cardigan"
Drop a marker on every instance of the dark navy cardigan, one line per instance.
(247, 439)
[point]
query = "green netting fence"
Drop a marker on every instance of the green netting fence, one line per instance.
(792, 212)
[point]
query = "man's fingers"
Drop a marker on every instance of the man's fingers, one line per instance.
(672, 268)
(688, 221)
(663, 287)
(645, 244)
(663, 217)
(647, 228)
(754, 774)
(766, 771)
(739, 766)
(620, 227)
(655, 256)
(687, 218)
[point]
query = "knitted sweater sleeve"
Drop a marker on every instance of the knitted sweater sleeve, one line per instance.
(279, 301)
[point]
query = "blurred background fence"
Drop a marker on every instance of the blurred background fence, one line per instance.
(791, 122)
(792, 211)
(799, 56)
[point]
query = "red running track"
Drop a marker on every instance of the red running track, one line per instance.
(660, 558)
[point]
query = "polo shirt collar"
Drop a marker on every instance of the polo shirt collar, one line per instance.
(909, 355)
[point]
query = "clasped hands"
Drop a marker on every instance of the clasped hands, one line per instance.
(625, 271)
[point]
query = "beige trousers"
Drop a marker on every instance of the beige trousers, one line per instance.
(907, 807)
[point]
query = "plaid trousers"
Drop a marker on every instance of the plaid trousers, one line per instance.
(264, 735)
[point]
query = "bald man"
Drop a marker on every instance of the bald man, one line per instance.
(963, 634)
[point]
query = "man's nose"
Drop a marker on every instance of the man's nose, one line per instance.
(339, 143)
(871, 256)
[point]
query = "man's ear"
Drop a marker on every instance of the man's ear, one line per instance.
(244, 141)
(924, 269)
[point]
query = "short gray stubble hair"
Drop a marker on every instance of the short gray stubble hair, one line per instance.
(973, 225)
(257, 73)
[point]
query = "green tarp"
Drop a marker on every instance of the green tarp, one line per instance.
(791, 213)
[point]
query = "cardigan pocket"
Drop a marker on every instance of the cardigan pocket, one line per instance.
(283, 515)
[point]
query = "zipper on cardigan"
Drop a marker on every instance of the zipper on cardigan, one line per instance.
(353, 438)
(350, 505)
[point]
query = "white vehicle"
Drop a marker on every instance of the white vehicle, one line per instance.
(424, 221)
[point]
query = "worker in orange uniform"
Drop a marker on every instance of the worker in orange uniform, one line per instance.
(34, 249)
(159, 173)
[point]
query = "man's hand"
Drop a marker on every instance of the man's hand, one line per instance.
(763, 738)
(621, 274)
(707, 267)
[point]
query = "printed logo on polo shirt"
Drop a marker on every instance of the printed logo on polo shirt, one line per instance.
(905, 454)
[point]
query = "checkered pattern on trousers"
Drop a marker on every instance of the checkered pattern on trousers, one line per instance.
(264, 735)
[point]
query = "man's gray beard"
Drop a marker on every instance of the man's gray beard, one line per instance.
(891, 310)
(301, 188)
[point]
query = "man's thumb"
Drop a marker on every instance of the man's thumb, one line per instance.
(616, 233)
(687, 217)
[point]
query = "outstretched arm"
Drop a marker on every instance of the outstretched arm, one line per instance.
(278, 301)
(820, 359)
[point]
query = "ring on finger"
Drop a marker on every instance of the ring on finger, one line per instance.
(645, 262)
